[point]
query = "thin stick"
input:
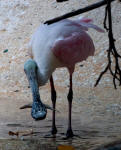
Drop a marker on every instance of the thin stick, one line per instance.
(77, 12)
(116, 74)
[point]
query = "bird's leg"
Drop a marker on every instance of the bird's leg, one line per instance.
(70, 97)
(38, 111)
(53, 98)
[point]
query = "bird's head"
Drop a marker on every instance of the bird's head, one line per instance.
(39, 110)
(30, 66)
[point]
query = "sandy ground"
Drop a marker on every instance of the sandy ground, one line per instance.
(96, 111)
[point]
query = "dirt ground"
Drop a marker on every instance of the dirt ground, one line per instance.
(96, 114)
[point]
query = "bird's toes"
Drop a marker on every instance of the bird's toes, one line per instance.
(69, 133)
(54, 130)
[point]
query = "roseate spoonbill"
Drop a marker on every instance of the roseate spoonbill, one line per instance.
(61, 44)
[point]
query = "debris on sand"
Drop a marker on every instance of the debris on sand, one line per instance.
(21, 133)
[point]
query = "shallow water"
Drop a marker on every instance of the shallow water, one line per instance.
(94, 123)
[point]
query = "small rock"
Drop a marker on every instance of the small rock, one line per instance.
(5, 51)
(16, 91)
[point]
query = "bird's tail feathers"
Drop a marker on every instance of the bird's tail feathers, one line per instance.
(88, 23)
(84, 19)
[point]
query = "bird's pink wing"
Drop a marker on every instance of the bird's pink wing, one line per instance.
(74, 48)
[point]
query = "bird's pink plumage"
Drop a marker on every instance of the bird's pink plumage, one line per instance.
(73, 49)
(77, 45)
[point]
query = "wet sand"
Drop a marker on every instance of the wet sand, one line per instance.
(95, 122)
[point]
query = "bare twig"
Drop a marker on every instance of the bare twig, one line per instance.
(101, 74)
(104, 23)
(77, 12)
(61, 0)
(30, 106)
(112, 50)
(21, 133)
(26, 106)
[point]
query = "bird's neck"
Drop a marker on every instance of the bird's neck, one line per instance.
(46, 66)
(43, 76)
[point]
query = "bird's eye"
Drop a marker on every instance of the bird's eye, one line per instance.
(24, 70)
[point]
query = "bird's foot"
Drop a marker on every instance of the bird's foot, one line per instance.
(54, 130)
(52, 133)
(38, 111)
(69, 133)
